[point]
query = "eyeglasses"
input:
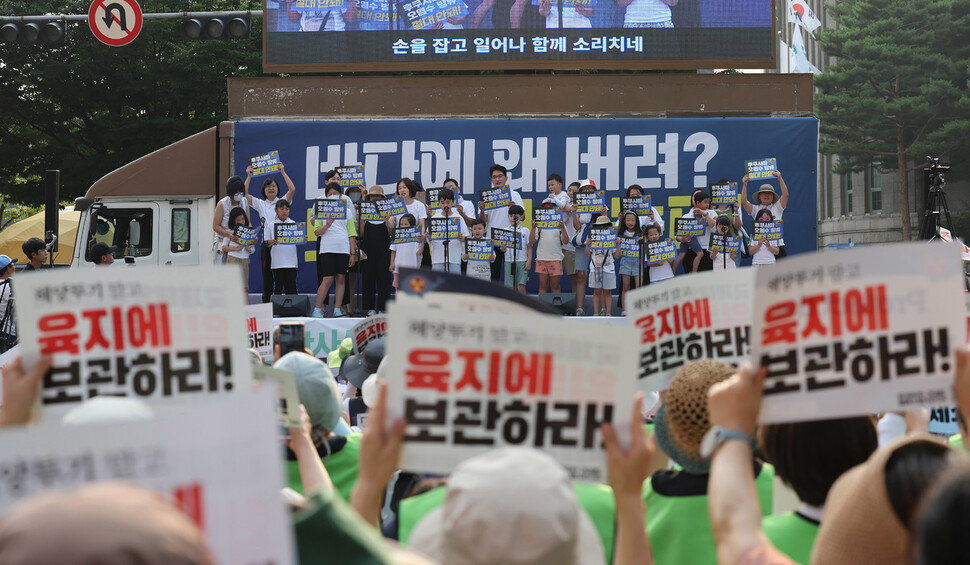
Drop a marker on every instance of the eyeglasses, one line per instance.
(498, 176)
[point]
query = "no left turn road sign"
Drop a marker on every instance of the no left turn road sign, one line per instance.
(115, 22)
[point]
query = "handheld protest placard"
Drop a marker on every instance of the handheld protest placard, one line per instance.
(602, 237)
(547, 218)
(478, 249)
(445, 229)
(497, 197)
(431, 197)
(630, 247)
(351, 176)
(858, 331)
(259, 326)
(704, 316)
(467, 384)
(724, 194)
(390, 207)
(247, 235)
(329, 209)
(761, 168)
(659, 252)
(725, 243)
(639, 205)
(265, 164)
(692, 227)
(166, 335)
(289, 234)
(770, 230)
(590, 202)
(284, 383)
(368, 330)
(408, 235)
(369, 212)
(207, 461)
(502, 235)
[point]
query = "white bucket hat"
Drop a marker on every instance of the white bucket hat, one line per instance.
(520, 503)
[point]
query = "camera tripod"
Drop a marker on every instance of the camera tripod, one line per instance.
(936, 208)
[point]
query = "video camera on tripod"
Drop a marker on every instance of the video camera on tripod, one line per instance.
(934, 179)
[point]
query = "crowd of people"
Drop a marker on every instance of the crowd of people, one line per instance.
(370, 250)
(695, 485)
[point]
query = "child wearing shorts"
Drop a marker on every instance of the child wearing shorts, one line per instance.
(519, 255)
(549, 255)
(602, 274)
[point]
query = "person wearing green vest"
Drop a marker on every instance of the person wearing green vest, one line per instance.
(337, 447)
(677, 514)
(809, 457)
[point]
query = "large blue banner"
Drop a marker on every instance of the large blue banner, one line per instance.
(668, 157)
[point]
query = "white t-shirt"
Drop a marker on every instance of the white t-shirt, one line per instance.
(466, 206)
(570, 18)
(479, 269)
(227, 205)
(657, 219)
(705, 239)
(549, 245)
(416, 209)
(406, 255)
(518, 253)
(337, 238)
(763, 256)
(723, 262)
(562, 200)
(646, 12)
(455, 247)
(241, 254)
(499, 217)
(265, 208)
(661, 273)
(6, 292)
(776, 210)
(284, 256)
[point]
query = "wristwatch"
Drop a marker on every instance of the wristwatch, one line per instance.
(718, 435)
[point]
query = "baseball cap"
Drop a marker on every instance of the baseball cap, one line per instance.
(5, 261)
(587, 182)
(99, 250)
(316, 387)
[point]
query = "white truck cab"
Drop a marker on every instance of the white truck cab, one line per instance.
(156, 210)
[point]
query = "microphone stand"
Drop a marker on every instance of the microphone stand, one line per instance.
(515, 248)
(447, 241)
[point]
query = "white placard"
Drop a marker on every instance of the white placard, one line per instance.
(166, 335)
(468, 384)
(704, 316)
(858, 332)
(284, 382)
(222, 463)
(367, 331)
(259, 326)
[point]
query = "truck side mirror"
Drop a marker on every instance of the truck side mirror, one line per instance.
(134, 233)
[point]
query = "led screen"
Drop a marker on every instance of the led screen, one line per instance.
(374, 35)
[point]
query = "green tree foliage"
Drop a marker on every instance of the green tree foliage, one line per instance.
(897, 90)
(86, 108)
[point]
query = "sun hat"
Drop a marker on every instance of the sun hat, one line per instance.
(316, 387)
(767, 188)
(602, 220)
(549, 200)
(357, 368)
(683, 419)
(108, 410)
(107, 522)
(860, 525)
(520, 503)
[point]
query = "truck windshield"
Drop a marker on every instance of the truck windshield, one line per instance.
(128, 230)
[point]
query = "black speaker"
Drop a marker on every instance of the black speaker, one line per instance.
(291, 305)
(565, 302)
